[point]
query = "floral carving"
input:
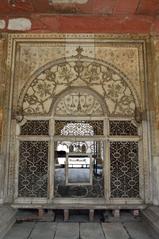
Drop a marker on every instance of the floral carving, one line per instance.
(80, 71)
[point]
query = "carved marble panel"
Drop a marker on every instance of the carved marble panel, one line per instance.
(45, 65)
(123, 57)
(33, 169)
(102, 77)
(79, 103)
(39, 49)
(124, 170)
(121, 128)
(35, 127)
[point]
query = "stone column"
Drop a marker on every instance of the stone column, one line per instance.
(154, 104)
(2, 89)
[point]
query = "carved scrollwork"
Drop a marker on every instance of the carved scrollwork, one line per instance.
(77, 71)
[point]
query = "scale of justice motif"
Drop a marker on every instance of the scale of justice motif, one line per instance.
(77, 71)
(77, 103)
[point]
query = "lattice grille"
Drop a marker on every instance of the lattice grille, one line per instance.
(35, 127)
(79, 128)
(118, 127)
(124, 170)
(33, 169)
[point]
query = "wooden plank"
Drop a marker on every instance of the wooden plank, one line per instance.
(91, 231)
(67, 231)
(43, 230)
(114, 231)
(20, 231)
(138, 230)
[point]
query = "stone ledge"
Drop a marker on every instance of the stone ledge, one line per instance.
(151, 215)
(7, 219)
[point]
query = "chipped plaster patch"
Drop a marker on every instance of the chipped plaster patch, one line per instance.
(2, 24)
(20, 24)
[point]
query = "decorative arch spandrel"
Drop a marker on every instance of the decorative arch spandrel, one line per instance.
(110, 83)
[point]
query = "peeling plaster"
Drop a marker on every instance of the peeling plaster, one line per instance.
(2, 24)
(20, 24)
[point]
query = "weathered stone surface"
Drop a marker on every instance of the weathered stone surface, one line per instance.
(7, 219)
(2, 24)
(138, 230)
(20, 231)
(91, 231)
(20, 24)
(151, 215)
(73, 231)
(113, 230)
(44, 230)
(67, 231)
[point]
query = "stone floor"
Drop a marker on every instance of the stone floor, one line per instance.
(78, 227)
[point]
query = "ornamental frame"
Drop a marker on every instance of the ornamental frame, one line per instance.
(14, 39)
(107, 139)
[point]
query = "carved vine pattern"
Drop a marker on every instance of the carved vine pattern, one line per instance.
(79, 71)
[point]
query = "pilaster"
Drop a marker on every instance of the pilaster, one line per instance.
(154, 105)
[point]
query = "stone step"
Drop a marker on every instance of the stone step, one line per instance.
(114, 231)
(43, 230)
(7, 219)
(91, 231)
(20, 231)
(67, 231)
(138, 230)
(151, 216)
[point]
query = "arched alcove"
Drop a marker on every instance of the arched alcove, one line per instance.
(84, 107)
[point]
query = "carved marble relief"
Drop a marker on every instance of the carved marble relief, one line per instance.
(32, 55)
(78, 103)
(29, 59)
(75, 77)
(124, 169)
(124, 58)
(77, 70)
